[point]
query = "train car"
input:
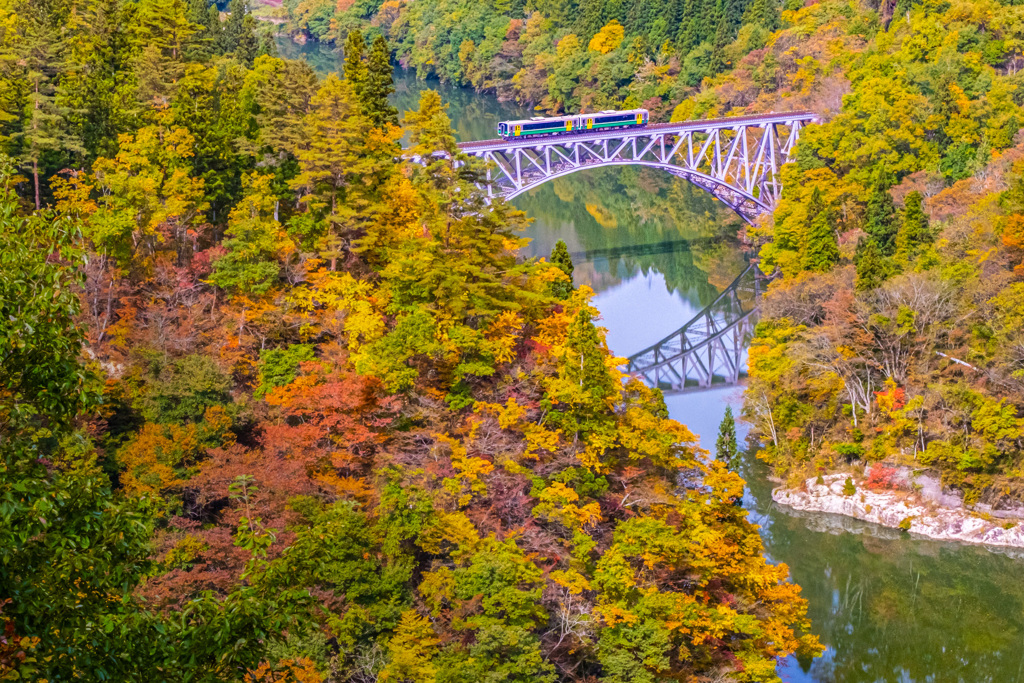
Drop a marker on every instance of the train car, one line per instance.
(630, 118)
(540, 126)
(537, 126)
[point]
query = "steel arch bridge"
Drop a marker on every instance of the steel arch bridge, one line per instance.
(710, 349)
(736, 159)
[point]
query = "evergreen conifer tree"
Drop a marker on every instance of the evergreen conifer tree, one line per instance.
(44, 127)
(339, 175)
(764, 12)
(583, 360)
(248, 45)
(590, 19)
(379, 85)
(881, 221)
(820, 250)
(355, 68)
(205, 40)
(238, 36)
(914, 230)
(267, 45)
(726, 448)
(561, 258)
(872, 266)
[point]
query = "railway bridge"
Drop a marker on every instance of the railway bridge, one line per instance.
(736, 159)
(710, 349)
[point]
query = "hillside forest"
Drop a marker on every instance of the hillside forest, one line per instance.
(278, 405)
(895, 333)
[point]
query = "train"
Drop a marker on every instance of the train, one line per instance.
(540, 126)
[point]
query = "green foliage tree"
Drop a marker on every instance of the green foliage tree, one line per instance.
(379, 85)
(820, 251)
(340, 174)
(881, 222)
(164, 33)
(726, 448)
(238, 37)
(914, 231)
(44, 127)
(356, 71)
(255, 242)
(561, 258)
(872, 266)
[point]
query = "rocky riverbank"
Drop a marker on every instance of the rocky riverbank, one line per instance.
(900, 510)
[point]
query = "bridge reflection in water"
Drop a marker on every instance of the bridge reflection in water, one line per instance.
(711, 348)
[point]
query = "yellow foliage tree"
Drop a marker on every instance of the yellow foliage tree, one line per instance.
(608, 38)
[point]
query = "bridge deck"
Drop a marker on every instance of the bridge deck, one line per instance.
(679, 126)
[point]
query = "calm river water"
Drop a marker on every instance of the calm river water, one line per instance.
(888, 607)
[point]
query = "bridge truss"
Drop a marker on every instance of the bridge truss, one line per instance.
(710, 349)
(737, 159)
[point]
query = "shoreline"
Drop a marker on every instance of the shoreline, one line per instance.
(900, 510)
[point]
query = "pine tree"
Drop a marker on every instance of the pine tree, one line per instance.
(582, 363)
(338, 174)
(208, 105)
(239, 35)
(726, 448)
(764, 12)
(561, 258)
(914, 230)
(44, 127)
(355, 68)
(214, 29)
(820, 250)
(872, 266)
(379, 86)
(205, 41)
(267, 46)
(95, 87)
(590, 18)
(248, 46)
(163, 33)
(880, 221)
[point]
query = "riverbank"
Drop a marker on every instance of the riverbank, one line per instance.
(904, 510)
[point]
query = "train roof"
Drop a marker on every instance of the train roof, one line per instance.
(535, 119)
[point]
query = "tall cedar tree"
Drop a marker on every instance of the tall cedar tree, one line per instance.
(44, 126)
(339, 173)
(820, 249)
(881, 222)
(872, 266)
(914, 231)
(379, 86)
(355, 66)
(726, 448)
(561, 258)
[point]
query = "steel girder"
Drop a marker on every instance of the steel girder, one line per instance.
(736, 160)
(710, 349)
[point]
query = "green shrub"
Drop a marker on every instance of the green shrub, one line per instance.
(848, 488)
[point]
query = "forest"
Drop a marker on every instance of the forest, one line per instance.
(895, 332)
(277, 404)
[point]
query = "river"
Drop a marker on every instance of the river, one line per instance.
(886, 606)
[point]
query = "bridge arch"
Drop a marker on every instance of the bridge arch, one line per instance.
(737, 160)
(739, 201)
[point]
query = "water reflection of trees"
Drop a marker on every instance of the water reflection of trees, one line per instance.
(892, 608)
(604, 210)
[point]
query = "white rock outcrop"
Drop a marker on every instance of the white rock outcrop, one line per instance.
(890, 508)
